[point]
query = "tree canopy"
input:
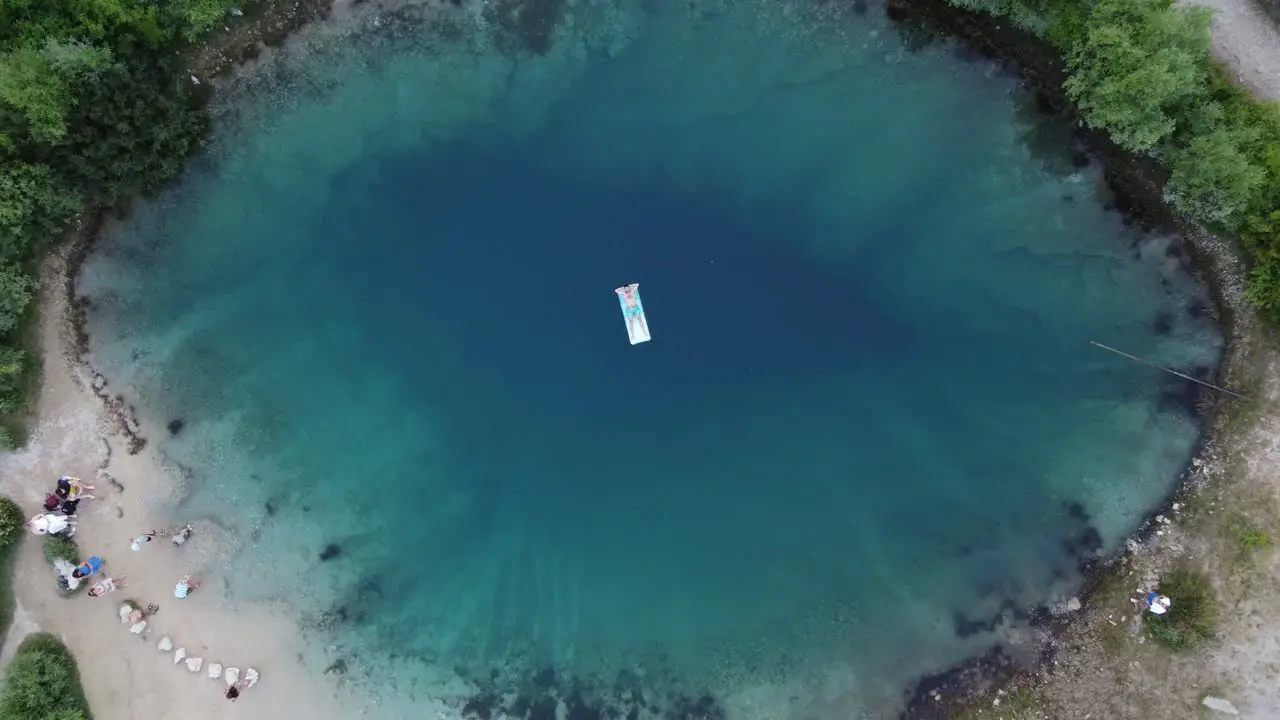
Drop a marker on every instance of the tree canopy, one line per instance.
(93, 111)
(1143, 72)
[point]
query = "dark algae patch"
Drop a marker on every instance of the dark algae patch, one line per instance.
(548, 696)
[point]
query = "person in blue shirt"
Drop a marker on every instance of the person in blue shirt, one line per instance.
(1157, 603)
(92, 566)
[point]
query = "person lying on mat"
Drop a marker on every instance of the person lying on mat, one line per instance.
(628, 294)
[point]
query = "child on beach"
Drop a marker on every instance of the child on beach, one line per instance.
(106, 586)
(185, 587)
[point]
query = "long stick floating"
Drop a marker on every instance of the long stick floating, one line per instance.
(1171, 372)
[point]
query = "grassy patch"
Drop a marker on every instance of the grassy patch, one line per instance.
(1247, 535)
(1193, 617)
(43, 683)
(1022, 703)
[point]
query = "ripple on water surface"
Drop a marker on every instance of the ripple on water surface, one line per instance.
(869, 421)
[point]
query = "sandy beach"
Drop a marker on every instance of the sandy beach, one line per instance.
(126, 676)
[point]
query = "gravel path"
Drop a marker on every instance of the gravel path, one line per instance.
(1247, 39)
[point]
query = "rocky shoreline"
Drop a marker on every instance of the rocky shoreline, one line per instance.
(1136, 183)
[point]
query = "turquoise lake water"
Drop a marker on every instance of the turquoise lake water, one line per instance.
(869, 421)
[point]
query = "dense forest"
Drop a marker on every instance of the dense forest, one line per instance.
(95, 108)
(1141, 71)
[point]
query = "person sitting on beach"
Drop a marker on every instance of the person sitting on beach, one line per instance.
(233, 692)
(185, 587)
(138, 616)
(71, 488)
(52, 524)
(180, 536)
(137, 543)
(106, 586)
(92, 566)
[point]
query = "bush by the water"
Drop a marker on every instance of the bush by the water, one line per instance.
(1193, 615)
(11, 521)
(43, 683)
(1143, 72)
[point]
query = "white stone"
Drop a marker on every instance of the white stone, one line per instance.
(1073, 604)
(137, 629)
(215, 670)
(231, 675)
(194, 664)
(179, 655)
(165, 644)
(1222, 706)
(251, 676)
(125, 609)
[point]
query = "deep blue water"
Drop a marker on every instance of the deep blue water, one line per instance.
(868, 421)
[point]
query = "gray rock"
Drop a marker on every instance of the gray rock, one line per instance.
(1222, 706)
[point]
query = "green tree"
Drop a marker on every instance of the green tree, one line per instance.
(42, 682)
(1212, 179)
(31, 83)
(12, 373)
(11, 521)
(16, 289)
(33, 206)
(1138, 62)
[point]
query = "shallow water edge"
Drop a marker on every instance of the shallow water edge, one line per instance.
(1137, 184)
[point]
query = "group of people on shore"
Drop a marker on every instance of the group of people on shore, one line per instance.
(59, 520)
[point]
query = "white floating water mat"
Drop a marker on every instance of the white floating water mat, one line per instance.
(633, 313)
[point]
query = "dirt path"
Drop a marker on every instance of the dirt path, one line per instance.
(1248, 40)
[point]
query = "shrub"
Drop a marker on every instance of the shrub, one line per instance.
(58, 546)
(1193, 616)
(11, 521)
(42, 683)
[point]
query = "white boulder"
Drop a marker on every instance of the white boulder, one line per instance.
(215, 670)
(231, 675)
(125, 609)
(250, 677)
(1219, 704)
(179, 655)
(138, 628)
(194, 664)
(165, 644)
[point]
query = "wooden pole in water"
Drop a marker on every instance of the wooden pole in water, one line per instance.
(1171, 372)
